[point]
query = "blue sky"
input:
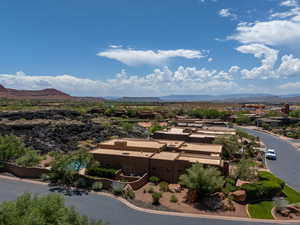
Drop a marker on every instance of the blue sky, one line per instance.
(151, 48)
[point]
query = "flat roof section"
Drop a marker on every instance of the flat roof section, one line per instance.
(166, 156)
(171, 143)
(120, 152)
(202, 136)
(214, 162)
(138, 143)
(212, 148)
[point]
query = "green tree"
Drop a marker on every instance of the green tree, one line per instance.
(41, 210)
(245, 170)
(203, 180)
(29, 159)
(230, 144)
(11, 148)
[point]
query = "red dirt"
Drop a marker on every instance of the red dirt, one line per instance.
(183, 206)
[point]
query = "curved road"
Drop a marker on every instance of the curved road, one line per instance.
(287, 165)
(111, 210)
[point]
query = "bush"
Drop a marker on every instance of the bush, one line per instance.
(117, 188)
(156, 197)
(29, 159)
(45, 177)
(173, 199)
(151, 190)
(129, 194)
(262, 190)
(81, 183)
(163, 186)
(154, 180)
(102, 172)
(11, 148)
(203, 180)
(97, 186)
(229, 185)
(49, 209)
(266, 176)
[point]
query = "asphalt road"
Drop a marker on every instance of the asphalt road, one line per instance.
(287, 165)
(108, 209)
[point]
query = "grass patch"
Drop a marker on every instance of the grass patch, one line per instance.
(261, 210)
(292, 196)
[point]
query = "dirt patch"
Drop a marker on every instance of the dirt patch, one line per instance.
(143, 195)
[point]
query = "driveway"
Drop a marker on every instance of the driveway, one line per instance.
(287, 165)
(110, 210)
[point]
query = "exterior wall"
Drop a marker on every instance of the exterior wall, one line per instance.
(23, 172)
(128, 164)
(163, 169)
(177, 137)
(208, 140)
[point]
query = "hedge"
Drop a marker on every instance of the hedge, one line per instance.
(266, 176)
(102, 172)
(262, 190)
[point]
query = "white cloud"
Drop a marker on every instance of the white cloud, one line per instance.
(210, 59)
(227, 13)
(274, 32)
(289, 3)
(134, 57)
(160, 82)
(268, 56)
(290, 87)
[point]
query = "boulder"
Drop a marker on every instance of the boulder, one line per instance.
(174, 188)
(239, 195)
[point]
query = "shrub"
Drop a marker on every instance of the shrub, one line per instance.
(45, 177)
(203, 180)
(117, 188)
(163, 186)
(81, 183)
(29, 159)
(129, 194)
(102, 172)
(11, 148)
(154, 179)
(151, 190)
(97, 186)
(156, 197)
(229, 185)
(262, 190)
(48, 209)
(266, 176)
(173, 199)
(245, 170)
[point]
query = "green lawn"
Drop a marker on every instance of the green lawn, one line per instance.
(292, 196)
(261, 210)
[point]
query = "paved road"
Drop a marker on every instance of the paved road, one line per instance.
(108, 209)
(287, 166)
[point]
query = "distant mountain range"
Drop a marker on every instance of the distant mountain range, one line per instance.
(52, 93)
(236, 98)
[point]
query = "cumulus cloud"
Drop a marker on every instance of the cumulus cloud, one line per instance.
(160, 82)
(274, 32)
(227, 13)
(268, 56)
(133, 57)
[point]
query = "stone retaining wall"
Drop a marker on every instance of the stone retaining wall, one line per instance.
(23, 172)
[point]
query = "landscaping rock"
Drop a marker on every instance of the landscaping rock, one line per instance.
(228, 205)
(174, 188)
(239, 195)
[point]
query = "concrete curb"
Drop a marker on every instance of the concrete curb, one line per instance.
(178, 214)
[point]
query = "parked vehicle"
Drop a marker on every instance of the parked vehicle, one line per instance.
(271, 154)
